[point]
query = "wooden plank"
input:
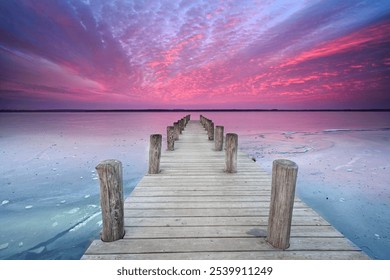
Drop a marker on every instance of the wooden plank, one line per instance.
(179, 192)
(176, 245)
(214, 212)
(218, 221)
(243, 255)
(196, 198)
(224, 231)
(200, 204)
(198, 187)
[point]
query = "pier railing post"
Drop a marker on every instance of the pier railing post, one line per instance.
(284, 177)
(155, 153)
(111, 199)
(219, 137)
(231, 153)
(181, 125)
(176, 130)
(170, 138)
(210, 131)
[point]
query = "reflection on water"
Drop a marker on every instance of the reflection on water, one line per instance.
(50, 201)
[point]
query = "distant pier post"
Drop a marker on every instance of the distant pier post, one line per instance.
(210, 131)
(155, 153)
(176, 130)
(181, 125)
(231, 152)
(170, 138)
(284, 177)
(219, 137)
(111, 199)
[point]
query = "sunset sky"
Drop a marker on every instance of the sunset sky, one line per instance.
(192, 54)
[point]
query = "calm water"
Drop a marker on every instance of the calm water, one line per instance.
(49, 199)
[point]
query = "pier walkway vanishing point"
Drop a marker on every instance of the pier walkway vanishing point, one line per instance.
(193, 209)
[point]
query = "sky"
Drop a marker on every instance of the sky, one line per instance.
(194, 54)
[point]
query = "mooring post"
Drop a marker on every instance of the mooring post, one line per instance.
(219, 137)
(284, 178)
(231, 153)
(155, 153)
(111, 199)
(170, 138)
(177, 130)
(210, 131)
(182, 125)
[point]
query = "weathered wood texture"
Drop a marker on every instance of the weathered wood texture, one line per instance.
(111, 199)
(231, 152)
(219, 137)
(176, 129)
(170, 138)
(193, 209)
(284, 178)
(210, 131)
(155, 153)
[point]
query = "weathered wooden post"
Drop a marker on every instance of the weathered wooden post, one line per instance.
(170, 138)
(219, 137)
(210, 131)
(231, 153)
(155, 153)
(284, 177)
(176, 130)
(111, 199)
(181, 125)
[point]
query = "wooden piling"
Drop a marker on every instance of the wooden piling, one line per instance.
(219, 137)
(284, 177)
(176, 130)
(210, 131)
(170, 138)
(181, 125)
(231, 153)
(111, 199)
(155, 153)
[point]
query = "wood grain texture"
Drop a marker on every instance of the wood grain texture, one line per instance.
(111, 199)
(170, 138)
(231, 148)
(284, 178)
(155, 153)
(219, 130)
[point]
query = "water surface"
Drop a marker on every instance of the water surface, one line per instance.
(49, 199)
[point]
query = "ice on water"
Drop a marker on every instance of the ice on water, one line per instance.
(50, 193)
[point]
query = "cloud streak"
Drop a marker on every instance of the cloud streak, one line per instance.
(194, 54)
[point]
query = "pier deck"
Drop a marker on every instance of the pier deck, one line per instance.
(192, 209)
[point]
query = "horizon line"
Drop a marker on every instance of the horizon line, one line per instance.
(185, 110)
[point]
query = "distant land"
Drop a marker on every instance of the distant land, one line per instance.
(189, 110)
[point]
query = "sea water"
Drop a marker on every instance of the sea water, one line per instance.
(49, 198)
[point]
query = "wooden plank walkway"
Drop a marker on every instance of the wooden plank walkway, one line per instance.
(193, 210)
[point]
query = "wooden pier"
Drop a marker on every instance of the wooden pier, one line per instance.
(192, 209)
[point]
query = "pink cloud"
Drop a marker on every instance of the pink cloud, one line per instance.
(362, 39)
